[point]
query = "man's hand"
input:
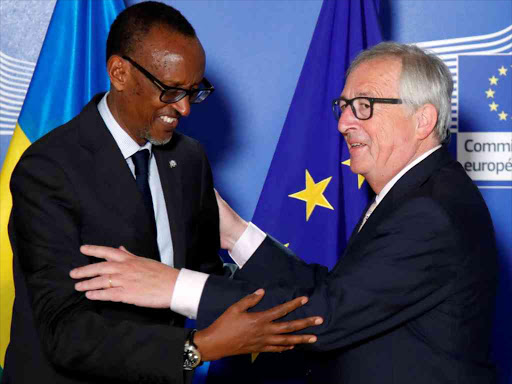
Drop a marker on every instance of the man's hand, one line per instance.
(231, 225)
(237, 331)
(125, 277)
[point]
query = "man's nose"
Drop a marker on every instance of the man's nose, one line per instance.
(183, 106)
(346, 120)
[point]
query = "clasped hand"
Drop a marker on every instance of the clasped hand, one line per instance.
(127, 278)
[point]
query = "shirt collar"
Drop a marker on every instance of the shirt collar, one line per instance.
(397, 177)
(126, 144)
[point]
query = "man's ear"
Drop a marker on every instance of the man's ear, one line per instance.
(426, 119)
(118, 71)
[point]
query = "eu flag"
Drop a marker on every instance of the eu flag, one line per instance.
(485, 93)
(70, 70)
(311, 200)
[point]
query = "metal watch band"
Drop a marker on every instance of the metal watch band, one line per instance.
(191, 355)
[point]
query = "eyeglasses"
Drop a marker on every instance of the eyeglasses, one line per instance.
(362, 107)
(171, 95)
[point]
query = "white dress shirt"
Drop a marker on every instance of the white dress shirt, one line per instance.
(242, 251)
(128, 147)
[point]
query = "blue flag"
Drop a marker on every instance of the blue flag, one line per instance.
(484, 138)
(485, 93)
(311, 200)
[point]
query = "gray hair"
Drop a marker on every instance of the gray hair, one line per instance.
(425, 79)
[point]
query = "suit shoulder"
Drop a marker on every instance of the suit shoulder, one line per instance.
(58, 139)
(63, 140)
(419, 211)
(453, 189)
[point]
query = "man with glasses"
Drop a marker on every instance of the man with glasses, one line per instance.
(120, 175)
(411, 299)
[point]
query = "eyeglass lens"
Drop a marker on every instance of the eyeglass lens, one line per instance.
(174, 95)
(362, 108)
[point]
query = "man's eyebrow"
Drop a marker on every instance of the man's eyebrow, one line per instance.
(179, 84)
(365, 94)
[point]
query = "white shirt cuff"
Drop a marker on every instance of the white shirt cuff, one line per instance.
(247, 244)
(187, 292)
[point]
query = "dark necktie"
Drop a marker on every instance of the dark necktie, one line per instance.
(141, 162)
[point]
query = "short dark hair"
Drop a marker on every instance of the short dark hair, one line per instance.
(132, 25)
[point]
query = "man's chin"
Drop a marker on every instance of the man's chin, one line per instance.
(159, 141)
(358, 168)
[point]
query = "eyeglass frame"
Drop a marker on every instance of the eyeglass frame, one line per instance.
(164, 88)
(372, 100)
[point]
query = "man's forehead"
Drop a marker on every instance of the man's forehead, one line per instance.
(163, 39)
(374, 78)
(166, 53)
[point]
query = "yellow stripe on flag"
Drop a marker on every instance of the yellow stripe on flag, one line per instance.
(19, 143)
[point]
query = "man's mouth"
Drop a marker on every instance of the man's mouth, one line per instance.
(355, 145)
(168, 119)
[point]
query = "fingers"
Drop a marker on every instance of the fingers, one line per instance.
(107, 253)
(113, 294)
(290, 340)
(122, 248)
(296, 325)
(93, 270)
(282, 310)
(101, 282)
(248, 301)
(275, 348)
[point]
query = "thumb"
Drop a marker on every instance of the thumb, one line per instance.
(122, 248)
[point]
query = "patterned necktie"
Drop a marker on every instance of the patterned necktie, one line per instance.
(141, 161)
(370, 210)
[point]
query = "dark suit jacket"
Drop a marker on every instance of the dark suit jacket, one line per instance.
(73, 187)
(410, 301)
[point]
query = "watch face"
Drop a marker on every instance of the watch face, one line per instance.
(191, 357)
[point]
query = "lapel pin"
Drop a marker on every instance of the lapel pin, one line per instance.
(173, 164)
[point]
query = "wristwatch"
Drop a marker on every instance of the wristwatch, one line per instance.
(191, 355)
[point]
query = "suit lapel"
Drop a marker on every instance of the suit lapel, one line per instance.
(115, 185)
(355, 231)
(170, 177)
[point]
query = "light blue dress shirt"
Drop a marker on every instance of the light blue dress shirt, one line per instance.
(128, 147)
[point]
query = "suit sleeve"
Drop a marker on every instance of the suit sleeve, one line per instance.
(206, 242)
(75, 337)
(402, 272)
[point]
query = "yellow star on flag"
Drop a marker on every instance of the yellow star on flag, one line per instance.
(493, 80)
(490, 93)
(313, 195)
(360, 178)
(503, 71)
(503, 115)
(494, 106)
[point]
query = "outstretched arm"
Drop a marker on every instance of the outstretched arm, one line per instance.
(124, 277)
(396, 275)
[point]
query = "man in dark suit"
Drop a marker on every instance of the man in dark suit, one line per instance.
(119, 174)
(411, 299)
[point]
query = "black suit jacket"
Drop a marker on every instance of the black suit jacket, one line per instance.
(410, 301)
(73, 187)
